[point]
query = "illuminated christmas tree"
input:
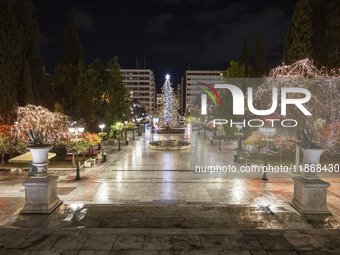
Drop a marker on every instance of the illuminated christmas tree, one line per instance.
(168, 115)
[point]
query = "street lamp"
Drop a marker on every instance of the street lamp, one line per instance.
(267, 132)
(102, 126)
(118, 126)
(76, 131)
(133, 130)
(239, 127)
(125, 130)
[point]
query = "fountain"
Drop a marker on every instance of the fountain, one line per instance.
(169, 145)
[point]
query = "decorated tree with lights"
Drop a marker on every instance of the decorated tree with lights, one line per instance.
(51, 125)
(324, 104)
(168, 115)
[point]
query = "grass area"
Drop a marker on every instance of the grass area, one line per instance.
(288, 158)
(52, 163)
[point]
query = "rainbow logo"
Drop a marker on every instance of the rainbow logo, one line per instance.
(210, 94)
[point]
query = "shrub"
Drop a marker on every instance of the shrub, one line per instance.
(257, 140)
(60, 150)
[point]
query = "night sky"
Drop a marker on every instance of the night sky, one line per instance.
(169, 34)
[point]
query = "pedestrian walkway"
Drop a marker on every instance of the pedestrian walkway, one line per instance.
(146, 202)
(129, 241)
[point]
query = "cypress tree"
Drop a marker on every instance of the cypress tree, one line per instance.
(334, 32)
(73, 52)
(27, 80)
(69, 72)
(23, 11)
(260, 58)
(10, 61)
(320, 25)
(306, 34)
(244, 57)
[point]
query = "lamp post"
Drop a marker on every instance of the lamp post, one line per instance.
(102, 126)
(125, 130)
(204, 113)
(76, 131)
(267, 132)
(219, 140)
(239, 127)
(204, 131)
(133, 131)
(118, 124)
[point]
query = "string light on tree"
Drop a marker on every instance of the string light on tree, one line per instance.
(324, 104)
(168, 115)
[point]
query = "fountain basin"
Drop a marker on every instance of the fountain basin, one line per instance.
(169, 145)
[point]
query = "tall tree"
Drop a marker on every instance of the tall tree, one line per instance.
(260, 58)
(27, 82)
(120, 95)
(334, 32)
(320, 24)
(23, 11)
(244, 57)
(73, 51)
(306, 34)
(109, 95)
(10, 61)
(236, 70)
(69, 72)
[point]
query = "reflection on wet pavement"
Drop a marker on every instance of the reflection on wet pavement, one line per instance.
(174, 216)
(144, 188)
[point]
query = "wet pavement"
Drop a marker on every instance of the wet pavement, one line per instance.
(146, 202)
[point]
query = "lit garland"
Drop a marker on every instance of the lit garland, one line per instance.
(324, 104)
(51, 124)
(168, 115)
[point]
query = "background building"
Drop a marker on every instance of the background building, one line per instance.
(159, 100)
(142, 83)
(192, 79)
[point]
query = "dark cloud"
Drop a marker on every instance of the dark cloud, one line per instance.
(217, 34)
(157, 24)
(170, 2)
(169, 34)
(174, 2)
(228, 13)
(85, 21)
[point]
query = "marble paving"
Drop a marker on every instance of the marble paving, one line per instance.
(146, 202)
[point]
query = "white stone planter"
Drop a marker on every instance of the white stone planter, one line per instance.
(40, 158)
(41, 189)
(312, 156)
(310, 192)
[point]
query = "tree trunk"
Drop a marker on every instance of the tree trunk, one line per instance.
(281, 156)
(2, 159)
(258, 153)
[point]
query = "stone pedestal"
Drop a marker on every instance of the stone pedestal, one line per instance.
(310, 194)
(41, 194)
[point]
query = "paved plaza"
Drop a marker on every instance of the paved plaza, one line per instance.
(147, 202)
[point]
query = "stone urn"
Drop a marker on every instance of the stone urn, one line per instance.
(312, 156)
(310, 192)
(40, 158)
(41, 189)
